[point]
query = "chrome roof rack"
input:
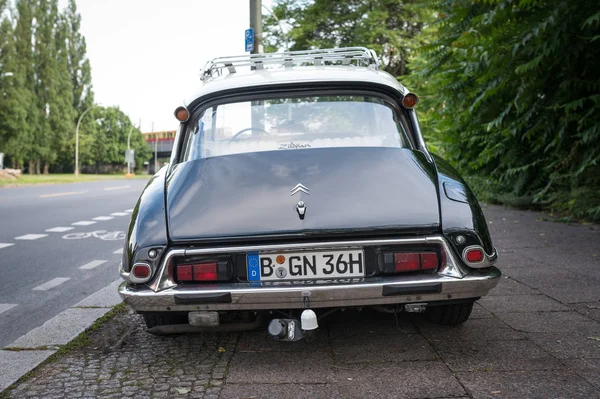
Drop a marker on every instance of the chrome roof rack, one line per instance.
(359, 56)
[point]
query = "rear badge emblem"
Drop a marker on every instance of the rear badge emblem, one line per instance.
(300, 188)
(301, 208)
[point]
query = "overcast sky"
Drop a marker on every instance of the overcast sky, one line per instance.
(146, 55)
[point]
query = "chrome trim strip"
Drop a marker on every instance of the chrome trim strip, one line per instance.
(417, 128)
(487, 261)
(453, 267)
(247, 296)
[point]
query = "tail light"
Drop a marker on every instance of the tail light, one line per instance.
(141, 272)
(473, 255)
(202, 271)
(399, 262)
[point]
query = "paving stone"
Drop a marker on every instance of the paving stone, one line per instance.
(514, 355)
(576, 344)
(479, 312)
(259, 341)
(591, 310)
(563, 285)
(530, 384)
(375, 349)
(370, 323)
(280, 367)
(398, 380)
(268, 391)
(509, 286)
(588, 369)
(522, 303)
(548, 322)
(473, 329)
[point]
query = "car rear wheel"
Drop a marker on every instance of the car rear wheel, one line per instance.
(156, 319)
(450, 315)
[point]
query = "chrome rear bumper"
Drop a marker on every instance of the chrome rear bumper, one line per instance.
(254, 296)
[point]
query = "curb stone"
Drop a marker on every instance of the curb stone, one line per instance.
(31, 349)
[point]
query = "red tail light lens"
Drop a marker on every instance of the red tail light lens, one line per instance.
(140, 270)
(184, 273)
(429, 261)
(415, 261)
(407, 262)
(474, 255)
(197, 272)
(205, 271)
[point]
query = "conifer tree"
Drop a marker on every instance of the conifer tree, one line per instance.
(22, 143)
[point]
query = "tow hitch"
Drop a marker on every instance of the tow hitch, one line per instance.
(292, 330)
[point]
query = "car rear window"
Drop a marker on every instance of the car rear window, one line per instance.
(294, 124)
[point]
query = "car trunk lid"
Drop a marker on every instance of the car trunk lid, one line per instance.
(346, 191)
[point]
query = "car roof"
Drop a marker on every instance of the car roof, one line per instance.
(297, 74)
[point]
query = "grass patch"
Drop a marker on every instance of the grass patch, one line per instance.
(28, 180)
(38, 348)
(83, 339)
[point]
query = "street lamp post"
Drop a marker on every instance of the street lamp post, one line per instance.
(77, 138)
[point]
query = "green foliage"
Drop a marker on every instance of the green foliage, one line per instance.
(105, 142)
(512, 89)
(48, 89)
(388, 26)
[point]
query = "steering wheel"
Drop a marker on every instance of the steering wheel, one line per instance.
(235, 136)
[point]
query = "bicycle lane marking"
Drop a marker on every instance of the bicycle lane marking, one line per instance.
(101, 234)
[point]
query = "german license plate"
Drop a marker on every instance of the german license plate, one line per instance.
(285, 266)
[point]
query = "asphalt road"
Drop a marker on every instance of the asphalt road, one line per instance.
(48, 260)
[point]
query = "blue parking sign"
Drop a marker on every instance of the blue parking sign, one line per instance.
(249, 36)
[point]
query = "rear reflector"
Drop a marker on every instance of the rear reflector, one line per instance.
(197, 272)
(140, 270)
(415, 261)
(474, 255)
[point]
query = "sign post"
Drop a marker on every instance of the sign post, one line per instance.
(249, 36)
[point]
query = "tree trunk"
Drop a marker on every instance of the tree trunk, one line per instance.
(37, 167)
(31, 167)
(46, 167)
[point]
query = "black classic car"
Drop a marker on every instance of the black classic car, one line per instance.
(301, 185)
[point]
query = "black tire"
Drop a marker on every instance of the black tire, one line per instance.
(164, 318)
(449, 315)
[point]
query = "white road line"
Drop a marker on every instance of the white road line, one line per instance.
(92, 264)
(129, 210)
(59, 229)
(83, 223)
(31, 237)
(4, 245)
(119, 214)
(51, 284)
(116, 188)
(62, 194)
(103, 218)
(6, 306)
(118, 251)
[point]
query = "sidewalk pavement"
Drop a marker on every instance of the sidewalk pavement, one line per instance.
(537, 335)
